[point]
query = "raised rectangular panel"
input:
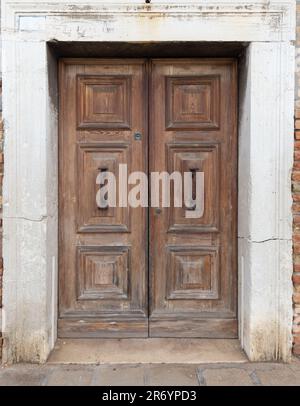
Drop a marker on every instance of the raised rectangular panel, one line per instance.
(92, 159)
(103, 102)
(193, 103)
(103, 273)
(192, 273)
(202, 157)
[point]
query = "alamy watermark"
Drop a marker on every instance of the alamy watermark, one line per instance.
(165, 189)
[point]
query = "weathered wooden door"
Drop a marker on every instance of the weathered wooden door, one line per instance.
(113, 282)
(103, 271)
(193, 260)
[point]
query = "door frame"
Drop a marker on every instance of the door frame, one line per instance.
(265, 152)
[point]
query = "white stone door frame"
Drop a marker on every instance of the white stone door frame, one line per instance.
(265, 153)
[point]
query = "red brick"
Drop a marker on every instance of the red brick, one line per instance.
(297, 124)
(296, 278)
(296, 208)
(296, 238)
(296, 165)
(295, 175)
(296, 349)
(297, 219)
(296, 196)
(297, 135)
(297, 113)
(296, 298)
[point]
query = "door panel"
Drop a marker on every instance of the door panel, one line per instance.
(193, 260)
(103, 273)
(103, 251)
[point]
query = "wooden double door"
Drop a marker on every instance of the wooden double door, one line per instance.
(138, 271)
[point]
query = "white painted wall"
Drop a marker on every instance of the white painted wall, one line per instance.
(265, 162)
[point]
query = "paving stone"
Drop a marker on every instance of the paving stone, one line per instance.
(263, 366)
(119, 376)
(295, 365)
(174, 375)
(70, 376)
(227, 377)
(161, 375)
(284, 376)
(22, 376)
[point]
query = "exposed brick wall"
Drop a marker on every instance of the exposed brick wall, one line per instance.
(296, 197)
(296, 238)
(1, 178)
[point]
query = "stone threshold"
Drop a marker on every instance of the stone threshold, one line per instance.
(147, 351)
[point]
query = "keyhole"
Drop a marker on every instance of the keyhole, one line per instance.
(104, 203)
(194, 194)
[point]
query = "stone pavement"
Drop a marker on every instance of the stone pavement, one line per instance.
(229, 374)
